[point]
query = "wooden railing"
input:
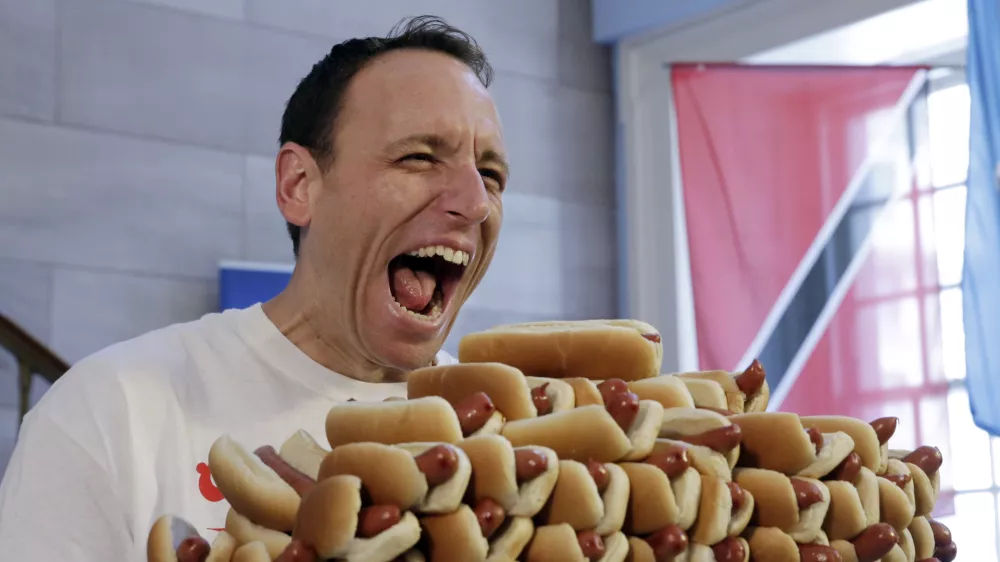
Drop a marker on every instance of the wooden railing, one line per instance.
(32, 358)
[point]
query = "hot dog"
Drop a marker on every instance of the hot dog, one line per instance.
(251, 486)
(461, 535)
(724, 511)
(923, 464)
(716, 439)
(588, 496)
(668, 390)
(423, 477)
(896, 500)
(519, 479)
(884, 428)
(770, 544)
(245, 532)
(390, 423)
(871, 545)
(747, 391)
(303, 453)
(592, 349)
(854, 501)
(866, 440)
(333, 522)
(923, 538)
(798, 452)
(558, 543)
(669, 544)
(589, 432)
(945, 549)
(172, 539)
(505, 386)
(795, 505)
(679, 461)
(729, 549)
(551, 395)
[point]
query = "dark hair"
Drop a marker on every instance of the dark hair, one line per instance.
(311, 113)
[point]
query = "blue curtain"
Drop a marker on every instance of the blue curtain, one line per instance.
(981, 279)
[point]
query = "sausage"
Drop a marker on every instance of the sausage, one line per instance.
(439, 464)
(719, 411)
(655, 338)
(751, 380)
(729, 550)
(816, 437)
(540, 398)
(610, 388)
(849, 469)
(875, 542)
(473, 412)
(672, 460)
(529, 464)
(297, 551)
(193, 549)
(818, 553)
(600, 474)
(373, 520)
(591, 545)
(623, 407)
(737, 494)
(946, 553)
(900, 480)
(926, 458)
(301, 483)
(721, 440)
(667, 543)
(885, 428)
(490, 515)
(807, 494)
(942, 534)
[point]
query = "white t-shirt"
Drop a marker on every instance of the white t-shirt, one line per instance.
(124, 436)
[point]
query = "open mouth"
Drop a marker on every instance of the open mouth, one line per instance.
(423, 281)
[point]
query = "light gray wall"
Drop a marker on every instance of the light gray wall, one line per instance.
(136, 146)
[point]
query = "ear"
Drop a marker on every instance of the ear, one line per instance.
(295, 172)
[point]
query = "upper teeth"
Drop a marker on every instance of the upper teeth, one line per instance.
(454, 256)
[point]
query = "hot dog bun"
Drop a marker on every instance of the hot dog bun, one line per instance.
(615, 548)
(771, 544)
(494, 475)
(328, 521)
(704, 553)
(926, 487)
(836, 447)
(777, 504)
(445, 497)
(706, 393)
(558, 543)
(165, 537)
(389, 474)
(732, 398)
(651, 504)
(899, 468)
(681, 423)
(561, 394)
(303, 453)
(895, 507)
(593, 349)
(578, 434)
(761, 430)
(687, 487)
(575, 499)
(668, 390)
(429, 419)
(615, 500)
(455, 536)
(714, 512)
(511, 538)
(846, 517)
(505, 385)
(866, 443)
(245, 531)
(923, 538)
(252, 487)
(252, 552)
(644, 430)
(585, 392)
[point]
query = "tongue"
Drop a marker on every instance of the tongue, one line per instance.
(413, 289)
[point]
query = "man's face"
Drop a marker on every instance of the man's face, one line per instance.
(406, 222)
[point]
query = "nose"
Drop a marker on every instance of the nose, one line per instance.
(465, 198)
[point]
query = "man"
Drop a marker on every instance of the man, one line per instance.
(390, 175)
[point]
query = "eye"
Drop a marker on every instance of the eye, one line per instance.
(496, 177)
(419, 156)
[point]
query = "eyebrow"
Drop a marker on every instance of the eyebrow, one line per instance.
(438, 142)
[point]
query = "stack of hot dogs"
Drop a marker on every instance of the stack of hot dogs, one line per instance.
(561, 441)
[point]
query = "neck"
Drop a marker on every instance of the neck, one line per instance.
(304, 321)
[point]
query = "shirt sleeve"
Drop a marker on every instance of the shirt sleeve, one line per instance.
(57, 502)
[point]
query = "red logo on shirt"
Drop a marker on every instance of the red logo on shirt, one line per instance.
(205, 484)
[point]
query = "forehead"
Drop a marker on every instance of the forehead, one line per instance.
(412, 91)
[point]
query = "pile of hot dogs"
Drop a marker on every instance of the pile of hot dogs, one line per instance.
(560, 441)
